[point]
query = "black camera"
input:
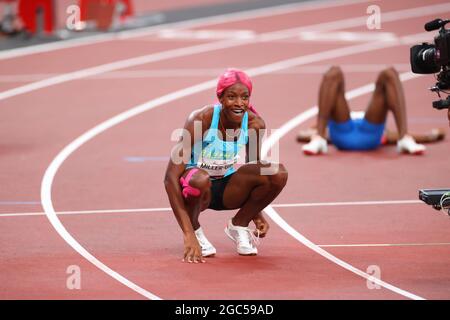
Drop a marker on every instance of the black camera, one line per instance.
(435, 58)
(437, 198)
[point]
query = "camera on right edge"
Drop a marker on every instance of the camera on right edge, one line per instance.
(428, 58)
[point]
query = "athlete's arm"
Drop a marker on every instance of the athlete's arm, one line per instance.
(175, 169)
(257, 128)
(256, 131)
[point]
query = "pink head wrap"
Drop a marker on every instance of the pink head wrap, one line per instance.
(231, 77)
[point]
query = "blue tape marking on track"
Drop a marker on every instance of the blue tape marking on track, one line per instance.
(5, 203)
(144, 159)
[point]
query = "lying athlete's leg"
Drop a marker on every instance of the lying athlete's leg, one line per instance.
(305, 135)
(433, 135)
(388, 96)
(332, 102)
(332, 105)
(252, 192)
(390, 136)
(195, 204)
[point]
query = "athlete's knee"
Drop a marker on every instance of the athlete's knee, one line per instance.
(334, 74)
(201, 181)
(279, 179)
(388, 74)
(195, 185)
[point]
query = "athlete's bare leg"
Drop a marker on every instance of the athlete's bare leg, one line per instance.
(195, 205)
(391, 136)
(388, 96)
(251, 191)
(433, 135)
(332, 102)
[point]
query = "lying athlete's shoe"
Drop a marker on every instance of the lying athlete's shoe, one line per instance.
(316, 146)
(244, 238)
(407, 144)
(207, 248)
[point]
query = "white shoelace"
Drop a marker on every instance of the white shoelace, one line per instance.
(202, 241)
(243, 236)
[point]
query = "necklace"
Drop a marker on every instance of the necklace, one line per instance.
(236, 132)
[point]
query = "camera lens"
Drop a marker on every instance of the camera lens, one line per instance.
(427, 56)
(423, 59)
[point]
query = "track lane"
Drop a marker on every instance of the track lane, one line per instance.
(267, 79)
(393, 15)
(122, 40)
(49, 128)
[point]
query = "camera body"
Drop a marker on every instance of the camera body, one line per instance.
(428, 58)
(434, 58)
(437, 198)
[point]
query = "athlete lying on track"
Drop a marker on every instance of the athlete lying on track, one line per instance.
(366, 133)
(389, 137)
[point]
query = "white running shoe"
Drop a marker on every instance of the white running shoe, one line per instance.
(316, 146)
(244, 238)
(407, 144)
(207, 248)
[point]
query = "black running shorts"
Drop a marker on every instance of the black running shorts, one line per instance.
(217, 191)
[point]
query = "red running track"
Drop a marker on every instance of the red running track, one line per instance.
(409, 242)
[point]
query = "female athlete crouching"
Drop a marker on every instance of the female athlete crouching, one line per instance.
(209, 179)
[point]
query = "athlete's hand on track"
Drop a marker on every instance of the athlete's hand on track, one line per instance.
(192, 250)
(262, 225)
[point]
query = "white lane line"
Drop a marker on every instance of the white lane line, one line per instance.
(346, 36)
(298, 236)
(202, 48)
(206, 72)
(352, 203)
(270, 211)
(141, 32)
(206, 34)
(47, 181)
(59, 227)
(391, 16)
(280, 205)
(368, 245)
(247, 15)
(87, 212)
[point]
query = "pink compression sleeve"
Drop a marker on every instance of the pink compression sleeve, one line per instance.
(188, 190)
